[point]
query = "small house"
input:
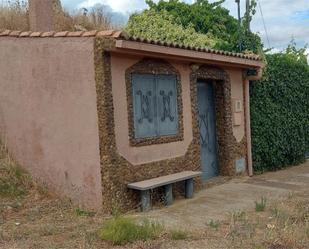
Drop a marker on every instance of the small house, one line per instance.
(90, 112)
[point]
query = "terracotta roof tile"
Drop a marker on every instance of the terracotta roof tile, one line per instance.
(76, 34)
(35, 34)
(106, 33)
(25, 34)
(118, 35)
(48, 34)
(15, 33)
(5, 32)
(90, 33)
(61, 34)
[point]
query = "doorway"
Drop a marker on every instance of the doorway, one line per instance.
(207, 129)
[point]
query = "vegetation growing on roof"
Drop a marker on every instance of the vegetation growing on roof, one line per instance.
(198, 24)
(165, 27)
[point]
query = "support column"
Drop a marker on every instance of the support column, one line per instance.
(145, 200)
(248, 127)
(168, 194)
(189, 188)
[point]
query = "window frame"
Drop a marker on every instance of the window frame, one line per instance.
(156, 68)
(156, 102)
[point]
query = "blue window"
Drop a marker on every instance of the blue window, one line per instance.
(154, 105)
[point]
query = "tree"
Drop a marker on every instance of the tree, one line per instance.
(202, 17)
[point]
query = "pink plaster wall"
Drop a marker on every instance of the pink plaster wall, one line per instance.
(146, 154)
(237, 93)
(48, 113)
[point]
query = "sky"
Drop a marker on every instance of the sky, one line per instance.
(284, 19)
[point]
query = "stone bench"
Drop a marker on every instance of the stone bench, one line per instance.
(166, 181)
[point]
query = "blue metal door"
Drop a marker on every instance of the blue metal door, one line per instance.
(207, 125)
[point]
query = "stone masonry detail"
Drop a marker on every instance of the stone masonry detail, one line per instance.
(229, 149)
(116, 171)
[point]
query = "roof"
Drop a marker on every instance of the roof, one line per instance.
(121, 35)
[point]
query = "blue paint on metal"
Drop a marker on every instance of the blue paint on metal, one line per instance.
(207, 126)
(154, 105)
(189, 188)
(144, 105)
(145, 200)
(167, 105)
(168, 199)
(240, 165)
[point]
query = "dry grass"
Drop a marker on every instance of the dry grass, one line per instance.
(31, 217)
(14, 16)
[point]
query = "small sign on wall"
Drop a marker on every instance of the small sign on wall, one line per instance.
(237, 112)
(237, 105)
(240, 165)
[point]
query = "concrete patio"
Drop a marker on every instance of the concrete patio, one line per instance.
(240, 194)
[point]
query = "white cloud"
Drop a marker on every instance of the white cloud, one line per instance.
(123, 6)
(284, 19)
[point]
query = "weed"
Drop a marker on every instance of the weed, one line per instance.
(214, 224)
(13, 181)
(121, 230)
(238, 216)
(81, 212)
(260, 206)
(179, 235)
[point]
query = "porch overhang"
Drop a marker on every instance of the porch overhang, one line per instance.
(198, 57)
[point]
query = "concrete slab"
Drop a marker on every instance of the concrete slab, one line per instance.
(239, 194)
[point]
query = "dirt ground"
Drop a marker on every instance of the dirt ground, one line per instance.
(222, 216)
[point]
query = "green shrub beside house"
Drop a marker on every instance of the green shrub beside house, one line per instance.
(280, 111)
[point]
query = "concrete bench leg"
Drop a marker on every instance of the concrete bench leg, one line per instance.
(145, 200)
(189, 188)
(168, 194)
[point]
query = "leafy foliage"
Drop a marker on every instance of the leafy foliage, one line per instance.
(198, 24)
(279, 111)
(164, 27)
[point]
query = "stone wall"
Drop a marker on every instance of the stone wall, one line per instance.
(117, 172)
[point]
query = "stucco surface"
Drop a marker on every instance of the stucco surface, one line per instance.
(155, 152)
(237, 93)
(48, 113)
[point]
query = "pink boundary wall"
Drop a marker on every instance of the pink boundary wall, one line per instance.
(48, 113)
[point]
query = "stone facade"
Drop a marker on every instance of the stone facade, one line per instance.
(229, 149)
(117, 172)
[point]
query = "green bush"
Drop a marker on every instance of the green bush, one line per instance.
(280, 112)
(121, 230)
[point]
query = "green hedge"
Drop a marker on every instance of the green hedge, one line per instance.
(280, 113)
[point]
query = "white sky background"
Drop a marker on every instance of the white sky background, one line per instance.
(284, 19)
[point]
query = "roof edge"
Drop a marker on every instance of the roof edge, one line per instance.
(121, 35)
